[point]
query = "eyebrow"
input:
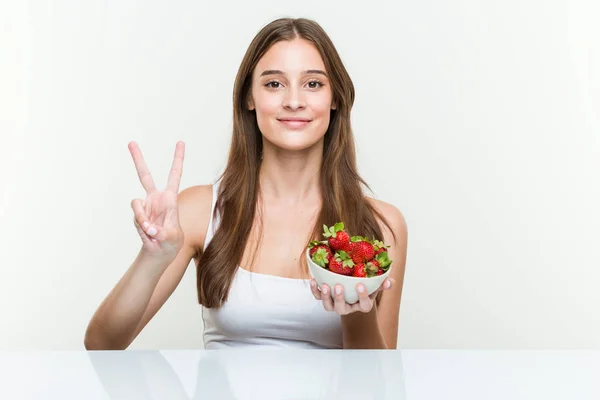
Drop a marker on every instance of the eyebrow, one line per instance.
(278, 72)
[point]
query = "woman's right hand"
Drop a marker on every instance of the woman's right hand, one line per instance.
(156, 218)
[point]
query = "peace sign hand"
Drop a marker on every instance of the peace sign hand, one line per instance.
(156, 218)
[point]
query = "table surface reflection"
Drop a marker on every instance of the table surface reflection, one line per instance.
(305, 374)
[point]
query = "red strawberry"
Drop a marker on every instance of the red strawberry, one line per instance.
(350, 247)
(373, 268)
(338, 238)
(321, 246)
(341, 241)
(341, 263)
(321, 255)
(359, 271)
(380, 250)
(362, 252)
(380, 247)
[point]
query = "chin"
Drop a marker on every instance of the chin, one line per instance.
(295, 146)
(297, 143)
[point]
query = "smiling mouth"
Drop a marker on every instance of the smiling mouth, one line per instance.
(294, 123)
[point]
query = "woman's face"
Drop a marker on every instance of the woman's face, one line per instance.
(292, 95)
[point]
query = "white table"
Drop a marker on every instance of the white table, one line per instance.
(308, 374)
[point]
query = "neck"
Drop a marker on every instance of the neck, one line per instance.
(292, 178)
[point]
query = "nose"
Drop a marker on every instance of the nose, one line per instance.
(293, 99)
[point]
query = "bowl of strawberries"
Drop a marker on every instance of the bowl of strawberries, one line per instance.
(348, 260)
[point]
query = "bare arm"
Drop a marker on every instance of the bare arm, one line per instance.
(172, 227)
(149, 281)
(388, 311)
(119, 318)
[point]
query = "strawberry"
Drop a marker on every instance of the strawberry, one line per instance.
(362, 251)
(350, 247)
(322, 256)
(338, 238)
(359, 271)
(383, 261)
(373, 268)
(320, 253)
(379, 247)
(314, 246)
(341, 263)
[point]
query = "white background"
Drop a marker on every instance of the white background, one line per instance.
(480, 121)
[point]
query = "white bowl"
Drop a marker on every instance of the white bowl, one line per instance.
(324, 276)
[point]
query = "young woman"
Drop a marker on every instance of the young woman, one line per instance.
(291, 170)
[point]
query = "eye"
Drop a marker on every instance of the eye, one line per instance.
(272, 84)
(315, 84)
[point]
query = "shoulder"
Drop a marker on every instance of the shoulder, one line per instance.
(194, 207)
(394, 217)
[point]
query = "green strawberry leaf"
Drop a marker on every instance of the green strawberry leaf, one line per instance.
(379, 244)
(338, 227)
(383, 260)
(343, 255)
(313, 243)
(345, 258)
(372, 267)
(320, 257)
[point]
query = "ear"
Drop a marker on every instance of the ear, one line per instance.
(333, 106)
(250, 104)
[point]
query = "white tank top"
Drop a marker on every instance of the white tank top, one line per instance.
(268, 311)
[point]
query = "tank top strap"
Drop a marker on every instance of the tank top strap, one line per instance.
(212, 224)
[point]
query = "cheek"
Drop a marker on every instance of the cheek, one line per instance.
(321, 108)
(267, 106)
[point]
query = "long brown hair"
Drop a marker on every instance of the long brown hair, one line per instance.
(342, 196)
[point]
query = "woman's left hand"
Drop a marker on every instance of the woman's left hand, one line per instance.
(338, 304)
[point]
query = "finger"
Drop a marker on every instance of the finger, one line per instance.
(141, 167)
(315, 291)
(352, 308)
(143, 235)
(389, 283)
(386, 285)
(176, 168)
(364, 301)
(340, 302)
(142, 219)
(326, 298)
(373, 295)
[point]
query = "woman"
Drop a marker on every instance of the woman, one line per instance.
(291, 170)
